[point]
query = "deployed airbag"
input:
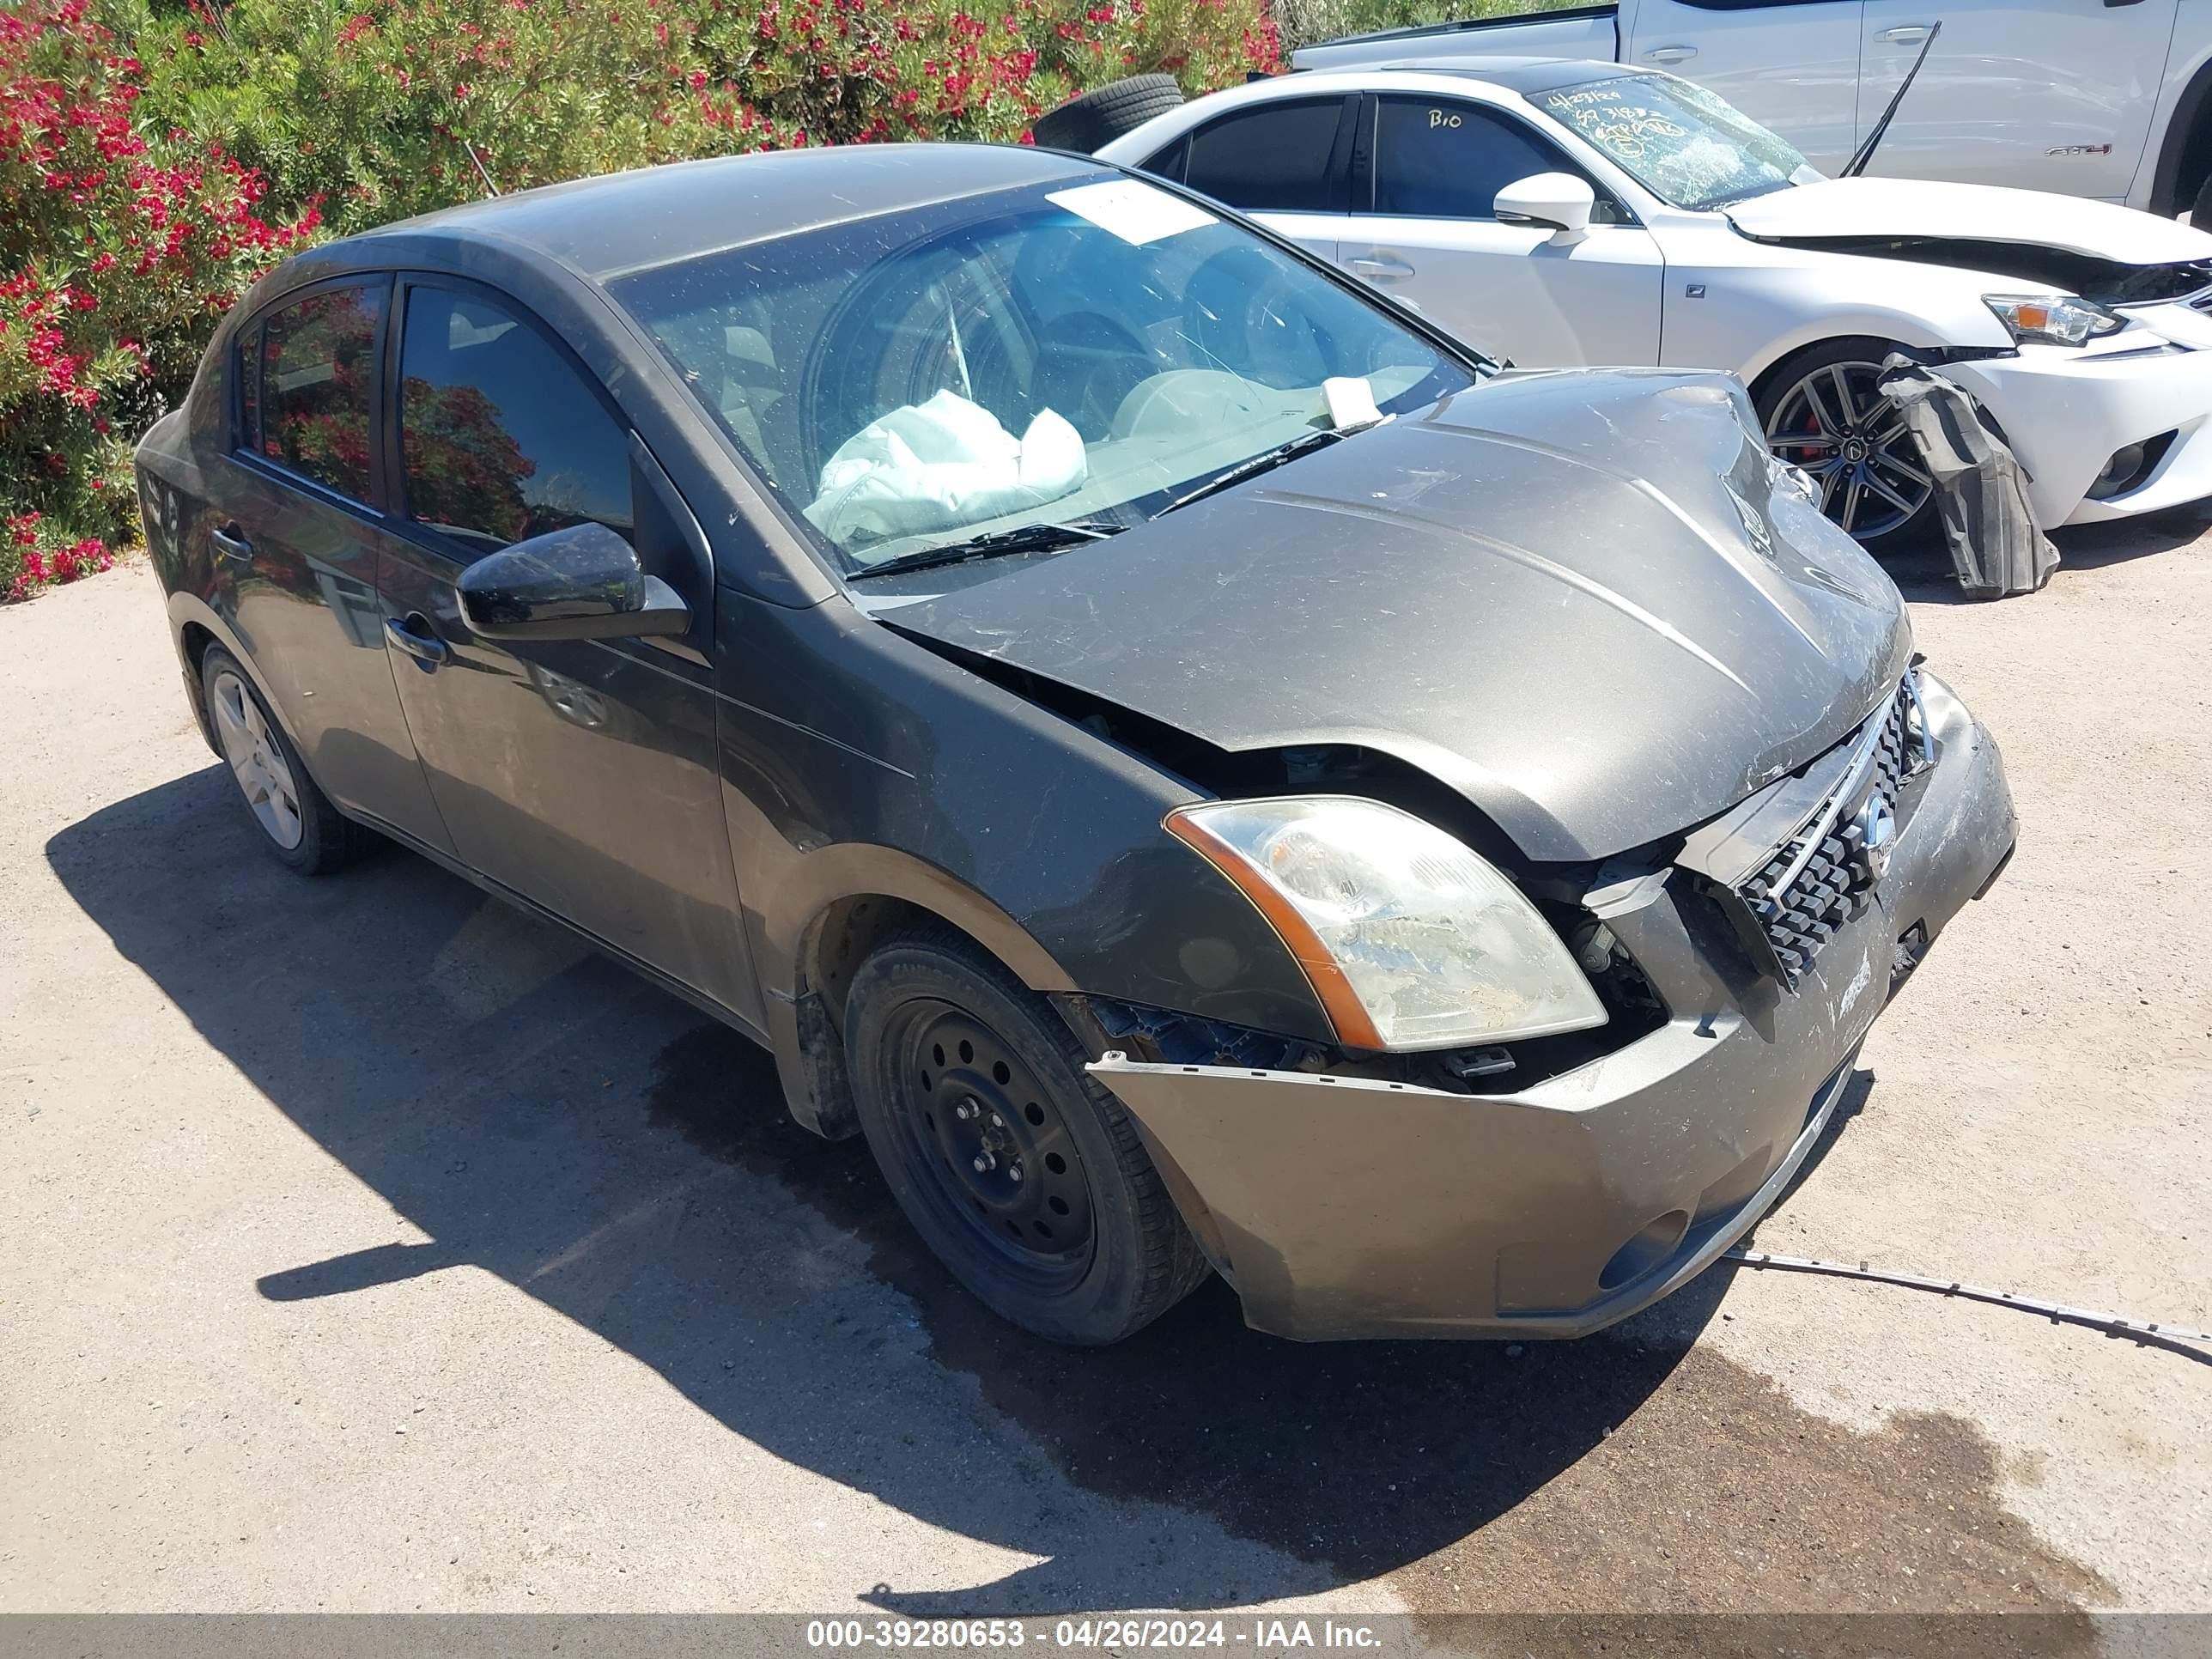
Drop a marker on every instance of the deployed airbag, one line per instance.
(1981, 492)
(940, 465)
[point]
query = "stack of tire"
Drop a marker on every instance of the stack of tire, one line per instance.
(1092, 119)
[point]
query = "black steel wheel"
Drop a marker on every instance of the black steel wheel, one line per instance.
(993, 1140)
(1823, 412)
(1025, 1177)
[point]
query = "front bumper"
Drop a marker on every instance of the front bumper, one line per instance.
(1348, 1207)
(2066, 411)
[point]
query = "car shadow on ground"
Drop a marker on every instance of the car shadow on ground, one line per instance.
(1923, 573)
(541, 1114)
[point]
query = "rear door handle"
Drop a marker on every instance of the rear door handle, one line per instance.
(1670, 54)
(423, 646)
(1906, 34)
(1373, 265)
(229, 543)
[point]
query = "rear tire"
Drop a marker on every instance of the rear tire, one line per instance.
(1850, 439)
(1090, 119)
(1024, 1174)
(295, 820)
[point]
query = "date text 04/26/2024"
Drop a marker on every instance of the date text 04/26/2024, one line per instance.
(1256, 1635)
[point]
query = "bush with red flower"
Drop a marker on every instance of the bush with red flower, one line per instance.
(382, 108)
(119, 245)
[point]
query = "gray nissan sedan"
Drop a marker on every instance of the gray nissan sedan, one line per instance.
(1205, 772)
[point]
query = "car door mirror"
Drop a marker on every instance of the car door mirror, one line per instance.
(1555, 200)
(582, 583)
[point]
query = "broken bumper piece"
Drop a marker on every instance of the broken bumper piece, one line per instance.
(1351, 1207)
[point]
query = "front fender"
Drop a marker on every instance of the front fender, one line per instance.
(790, 937)
(1782, 300)
(2185, 104)
(819, 880)
(856, 763)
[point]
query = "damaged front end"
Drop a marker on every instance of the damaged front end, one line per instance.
(1585, 637)
(2106, 253)
(1502, 1192)
(2103, 281)
(1988, 516)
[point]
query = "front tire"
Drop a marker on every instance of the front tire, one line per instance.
(1823, 412)
(1024, 1174)
(296, 821)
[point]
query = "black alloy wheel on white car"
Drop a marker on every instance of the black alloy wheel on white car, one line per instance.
(1824, 412)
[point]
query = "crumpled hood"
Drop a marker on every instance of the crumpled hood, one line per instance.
(1573, 597)
(1913, 208)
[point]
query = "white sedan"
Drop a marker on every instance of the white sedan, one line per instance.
(1559, 213)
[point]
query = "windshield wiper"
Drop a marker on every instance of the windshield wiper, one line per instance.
(1265, 461)
(1022, 538)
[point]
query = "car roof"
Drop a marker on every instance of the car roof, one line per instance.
(1521, 74)
(622, 221)
(1521, 77)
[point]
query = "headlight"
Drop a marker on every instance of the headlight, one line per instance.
(1411, 940)
(2052, 319)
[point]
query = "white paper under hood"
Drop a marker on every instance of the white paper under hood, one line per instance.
(1981, 213)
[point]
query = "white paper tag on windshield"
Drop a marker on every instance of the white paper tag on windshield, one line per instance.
(1351, 401)
(1133, 211)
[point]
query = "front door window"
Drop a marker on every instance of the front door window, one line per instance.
(500, 437)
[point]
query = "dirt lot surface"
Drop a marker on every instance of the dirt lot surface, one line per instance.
(371, 1248)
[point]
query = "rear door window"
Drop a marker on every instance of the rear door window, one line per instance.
(309, 373)
(1170, 162)
(502, 436)
(1279, 157)
(1440, 158)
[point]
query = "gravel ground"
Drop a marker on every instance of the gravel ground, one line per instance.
(371, 1248)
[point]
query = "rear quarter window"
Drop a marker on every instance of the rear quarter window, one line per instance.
(1277, 157)
(245, 365)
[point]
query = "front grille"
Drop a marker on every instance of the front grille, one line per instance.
(1824, 876)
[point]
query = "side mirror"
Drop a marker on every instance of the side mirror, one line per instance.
(1557, 201)
(582, 583)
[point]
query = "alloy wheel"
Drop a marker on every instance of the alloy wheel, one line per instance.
(256, 761)
(995, 1150)
(1836, 425)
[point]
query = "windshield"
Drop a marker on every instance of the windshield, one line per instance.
(1079, 352)
(1681, 142)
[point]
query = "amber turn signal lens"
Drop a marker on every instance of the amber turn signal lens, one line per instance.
(1354, 1028)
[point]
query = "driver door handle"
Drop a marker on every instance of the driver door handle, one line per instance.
(1671, 54)
(423, 646)
(1370, 264)
(1906, 34)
